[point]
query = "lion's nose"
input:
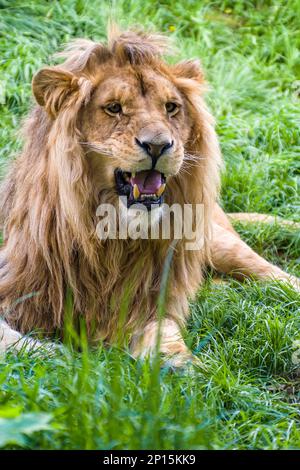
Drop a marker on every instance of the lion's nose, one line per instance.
(154, 149)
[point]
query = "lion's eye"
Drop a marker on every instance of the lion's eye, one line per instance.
(113, 108)
(171, 108)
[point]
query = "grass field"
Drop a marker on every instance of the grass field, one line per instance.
(249, 396)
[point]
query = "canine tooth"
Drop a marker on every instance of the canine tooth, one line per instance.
(160, 190)
(136, 191)
(132, 175)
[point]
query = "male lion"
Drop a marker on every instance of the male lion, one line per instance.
(114, 120)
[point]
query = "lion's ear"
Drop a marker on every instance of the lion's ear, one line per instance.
(51, 86)
(189, 69)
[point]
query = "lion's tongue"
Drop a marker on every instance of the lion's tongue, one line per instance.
(148, 182)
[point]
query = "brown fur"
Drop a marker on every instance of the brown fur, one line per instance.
(49, 199)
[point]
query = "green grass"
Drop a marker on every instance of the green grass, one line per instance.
(248, 398)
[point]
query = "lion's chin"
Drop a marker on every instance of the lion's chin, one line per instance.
(144, 188)
(143, 217)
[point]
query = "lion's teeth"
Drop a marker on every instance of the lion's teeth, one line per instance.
(160, 190)
(136, 191)
(133, 175)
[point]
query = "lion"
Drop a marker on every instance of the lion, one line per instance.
(115, 120)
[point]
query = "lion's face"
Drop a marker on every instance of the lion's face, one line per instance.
(135, 127)
(133, 124)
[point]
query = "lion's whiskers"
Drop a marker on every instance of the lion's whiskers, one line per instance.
(184, 170)
(98, 147)
(195, 157)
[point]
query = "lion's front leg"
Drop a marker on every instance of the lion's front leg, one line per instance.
(12, 340)
(8, 337)
(165, 338)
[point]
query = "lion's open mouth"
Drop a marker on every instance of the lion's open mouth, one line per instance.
(144, 187)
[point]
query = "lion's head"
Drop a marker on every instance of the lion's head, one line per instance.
(139, 122)
(137, 117)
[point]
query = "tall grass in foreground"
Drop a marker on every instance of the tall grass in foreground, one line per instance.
(248, 396)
